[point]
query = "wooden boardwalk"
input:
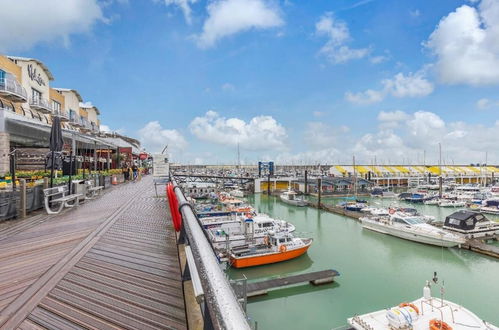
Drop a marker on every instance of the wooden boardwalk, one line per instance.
(112, 263)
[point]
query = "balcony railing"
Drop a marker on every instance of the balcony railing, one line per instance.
(40, 104)
(75, 120)
(62, 114)
(85, 123)
(95, 127)
(10, 88)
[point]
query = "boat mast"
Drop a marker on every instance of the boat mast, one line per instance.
(354, 179)
(440, 171)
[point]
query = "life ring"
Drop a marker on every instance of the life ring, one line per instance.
(283, 248)
(391, 211)
(248, 215)
(410, 305)
(439, 325)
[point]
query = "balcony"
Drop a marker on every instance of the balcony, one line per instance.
(61, 114)
(95, 127)
(75, 120)
(41, 105)
(12, 90)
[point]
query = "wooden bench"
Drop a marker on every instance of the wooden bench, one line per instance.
(61, 196)
(92, 190)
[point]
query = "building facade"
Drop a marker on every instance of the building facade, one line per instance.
(28, 103)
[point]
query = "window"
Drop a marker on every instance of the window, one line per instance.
(454, 222)
(35, 95)
(2, 77)
(72, 115)
(56, 106)
(282, 240)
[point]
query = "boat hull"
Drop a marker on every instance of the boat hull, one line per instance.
(270, 258)
(412, 235)
(293, 202)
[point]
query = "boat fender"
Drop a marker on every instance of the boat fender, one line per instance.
(439, 325)
(283, 248)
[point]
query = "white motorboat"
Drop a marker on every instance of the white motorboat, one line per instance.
(422, 314)
(433, 201)
(377, 211)
(237, 193)
(252, 229)
(290, 197)
(411, 228)
(451, 203)
(470, 224)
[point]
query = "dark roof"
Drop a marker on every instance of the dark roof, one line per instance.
(462, 215)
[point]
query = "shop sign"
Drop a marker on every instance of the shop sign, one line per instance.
(35, 76)
(160, 165)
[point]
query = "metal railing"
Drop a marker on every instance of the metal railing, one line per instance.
(224, 310)
(11, 86)
(61, 113)
(40, 104)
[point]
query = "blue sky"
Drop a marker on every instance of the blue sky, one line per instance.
(291, 81)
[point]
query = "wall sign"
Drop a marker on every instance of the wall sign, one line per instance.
(35, 76)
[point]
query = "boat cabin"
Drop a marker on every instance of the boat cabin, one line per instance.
(472, 224)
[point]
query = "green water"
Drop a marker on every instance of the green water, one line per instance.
(377, 271)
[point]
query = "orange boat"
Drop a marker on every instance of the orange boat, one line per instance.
(277, 248)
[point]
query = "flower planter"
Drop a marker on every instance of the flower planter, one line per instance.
(8, 205)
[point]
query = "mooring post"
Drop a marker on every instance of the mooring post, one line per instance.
(22, 200)
(268, 185)
(319, 189)
(306, 182)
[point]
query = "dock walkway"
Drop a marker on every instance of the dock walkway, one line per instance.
(112, 263)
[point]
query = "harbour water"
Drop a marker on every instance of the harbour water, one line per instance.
(377, 271)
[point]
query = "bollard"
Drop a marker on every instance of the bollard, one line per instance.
(22, 200)
(45, 183)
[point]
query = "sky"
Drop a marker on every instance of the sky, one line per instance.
(295, 82)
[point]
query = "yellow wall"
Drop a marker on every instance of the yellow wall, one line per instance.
(280, 185)
(54, 95)
(11, 67)
(83, 113)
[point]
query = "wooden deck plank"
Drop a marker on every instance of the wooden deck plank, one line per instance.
(123, 274)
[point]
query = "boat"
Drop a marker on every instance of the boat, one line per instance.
(421, 314)
(382, 192)
(490, 206)
(451, 203)
(236, 193)
(276, 248)
(432, 201)
(471, 224)
(253, 228)
(412, 228)
(290, 197)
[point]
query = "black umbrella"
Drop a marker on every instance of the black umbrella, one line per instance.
(56, 144)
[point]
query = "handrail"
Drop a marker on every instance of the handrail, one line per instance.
(39, 102)
(221, 301)
(11, 85)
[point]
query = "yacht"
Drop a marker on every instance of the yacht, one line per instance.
(412, 228)
(470, 224)
(290, 197)
(490, 206)
(421, 314)
(382, 192)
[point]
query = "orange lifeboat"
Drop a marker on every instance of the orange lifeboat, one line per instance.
(274, 251)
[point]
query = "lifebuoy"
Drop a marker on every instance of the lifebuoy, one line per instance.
(410, 305)
(439, 325)
(283, 248)
(248, 215)
(391, 211)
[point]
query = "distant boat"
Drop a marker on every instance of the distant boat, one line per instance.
(451, 203)
(279, 247)
(290, 197)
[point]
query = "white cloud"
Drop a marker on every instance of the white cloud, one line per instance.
(185, 6)
(318, 135)
(378, 59)
(87, 104)
(485, 103)
(411, 85)
(466, 44)
(229, 17)
(363, 98)
(29, 22)
(338, 35)
(318, 114)
(260, 133)
(227, 87)
(415, 13)
(392, 116)
(154, 138)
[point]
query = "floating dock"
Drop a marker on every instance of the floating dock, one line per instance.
(481, 247)
(315, 278)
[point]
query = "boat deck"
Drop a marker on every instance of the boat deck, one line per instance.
(111, 263)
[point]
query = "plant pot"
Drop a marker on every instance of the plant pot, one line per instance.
(8, 205)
